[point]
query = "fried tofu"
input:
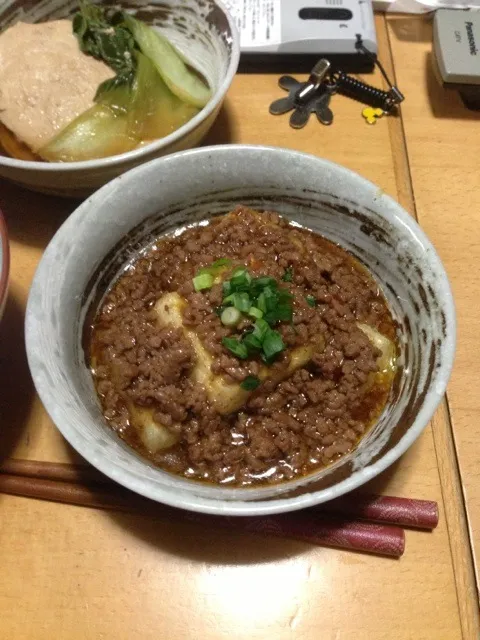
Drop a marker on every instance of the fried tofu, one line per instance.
(386, 361)
(154, 435)
(45, 81)
(226, 397)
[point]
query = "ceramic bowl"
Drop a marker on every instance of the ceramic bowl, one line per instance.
(156, 198)
(201, 29)
(4, 264)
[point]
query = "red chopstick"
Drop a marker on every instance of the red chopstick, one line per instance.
(345, 522)
(305, 526)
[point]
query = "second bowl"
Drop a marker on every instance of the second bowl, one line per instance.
(203, 31)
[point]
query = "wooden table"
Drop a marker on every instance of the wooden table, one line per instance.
(76, 573)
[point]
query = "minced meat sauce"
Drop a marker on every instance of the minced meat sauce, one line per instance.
(296, 420)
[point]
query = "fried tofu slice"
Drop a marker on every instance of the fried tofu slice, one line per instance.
(46, 81)
(225, 397)
(154, 435)
(13, 147)
(387, 359)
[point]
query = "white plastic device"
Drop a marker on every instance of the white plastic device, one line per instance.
(323, 28)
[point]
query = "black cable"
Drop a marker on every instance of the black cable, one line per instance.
(359, 45)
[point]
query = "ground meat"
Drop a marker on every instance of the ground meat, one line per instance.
(292, 424)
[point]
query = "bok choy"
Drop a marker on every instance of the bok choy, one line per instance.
(96, 133)
(175, 73)
(152, 94)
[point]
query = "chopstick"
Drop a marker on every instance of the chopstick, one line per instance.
(339, 523)
(306, 527)
(404, 512)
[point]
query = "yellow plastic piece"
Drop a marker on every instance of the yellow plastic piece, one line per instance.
(371, 115)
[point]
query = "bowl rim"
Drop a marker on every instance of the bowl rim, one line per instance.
(156, 145)
(5, 265)
(238, 507)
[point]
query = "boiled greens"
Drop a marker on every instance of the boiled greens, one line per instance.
(152, 94)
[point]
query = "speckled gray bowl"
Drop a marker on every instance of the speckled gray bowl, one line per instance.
(201, 29)
(107, 229)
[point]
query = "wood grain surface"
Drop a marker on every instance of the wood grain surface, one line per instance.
(75, 573)
(443, 138)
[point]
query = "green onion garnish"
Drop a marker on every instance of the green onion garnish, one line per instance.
(252, 342)
(262, 303)
(272, 344)
(203, 281)
(240, 279)
(240, 301)
(221, 262)
(255, 313)
(261, 299)
(260, 328)
(211, 272)
(250, 383)
(230, 317)
(311, 301)
(236, 347)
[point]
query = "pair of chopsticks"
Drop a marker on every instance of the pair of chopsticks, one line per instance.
(367, 523)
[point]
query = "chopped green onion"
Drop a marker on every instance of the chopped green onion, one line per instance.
(227, 288)
(260, 328)
(203, 281)
(236, 347)
(221, 262)
(230, 317)
(252, 342)
(270, 297)
(255, 313)
(240, 301)
(288, 275)
(262, 303)
(260, 298)
(272, 344)
(311, 301)
(282, 313)
(216, 267)
(240, 278)
(259, 284)
(250, 383)
(239, 271)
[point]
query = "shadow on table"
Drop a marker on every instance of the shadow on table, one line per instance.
(17, 391)
(221, 131)
(201, 542)
(410, 29)
(445, 103)
(33, 218)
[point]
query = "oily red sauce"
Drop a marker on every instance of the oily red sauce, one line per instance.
(291, 425)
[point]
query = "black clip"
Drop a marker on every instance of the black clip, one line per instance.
(305, 98)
